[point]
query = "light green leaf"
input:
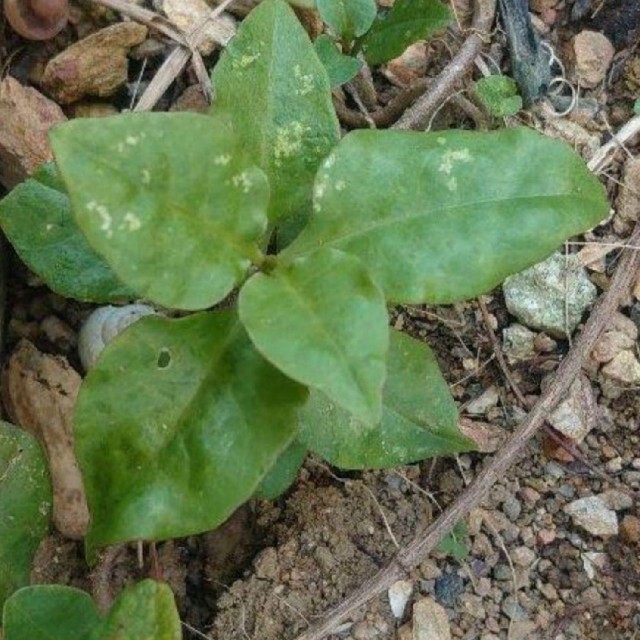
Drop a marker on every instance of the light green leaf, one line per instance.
(168, 199)
(25, 506)
(406, 22)
(454, 544)
(499, 95)
(283, 473)
(440, 217)
(36, 218)
(176, 425)
(143, 611)
(347, 19)
(49, 612)
(271, 82)
(340, 68)
(323, 322)
(419, 416)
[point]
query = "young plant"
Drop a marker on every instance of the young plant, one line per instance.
(185, 417)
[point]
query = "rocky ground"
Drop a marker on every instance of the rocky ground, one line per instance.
(553, 551)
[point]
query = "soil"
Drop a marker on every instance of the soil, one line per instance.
(269, 572)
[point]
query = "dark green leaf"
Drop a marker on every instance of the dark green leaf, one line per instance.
(49, 612)
(25, 506)
(499, 95)
(419, 416)
(143, 611)
(340, 68)
(176, 425)
(271, 82)
(36, 218)
(347, 19)
(283, 473)
(323, 321)
(440, 217)
(168, 199)
(406, 22)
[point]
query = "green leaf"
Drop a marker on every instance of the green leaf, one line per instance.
(36, 218)
(49, 612)
(340, 68)
(323, 321)
(406, 22)
(25, 506)
(271, 82)
(636, 107)
(419, 416)
(347, 19)
(453, 543)
(444, 216)
(143, 611)
(176, 425)
(499, 95)
(283, 473)
(149, 190)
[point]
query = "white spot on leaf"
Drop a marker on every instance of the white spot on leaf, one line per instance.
(451, 157)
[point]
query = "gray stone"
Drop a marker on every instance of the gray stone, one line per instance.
(624, 368)
(518, 343)
(512, 508)
(593, 515)
(578, 414)
(430, 621)
(551, 296)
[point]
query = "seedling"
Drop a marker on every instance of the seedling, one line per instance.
(275, 248)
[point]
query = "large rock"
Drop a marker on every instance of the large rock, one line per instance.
(592, 54)
(593, 515)
(551, 296)
(430, 621)
(95, 66)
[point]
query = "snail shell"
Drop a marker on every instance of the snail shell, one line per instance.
(37, 19)
(103, 325)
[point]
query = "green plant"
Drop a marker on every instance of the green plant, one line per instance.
(184, 418)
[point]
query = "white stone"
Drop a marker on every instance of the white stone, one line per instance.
(593, 515)
(399, 594)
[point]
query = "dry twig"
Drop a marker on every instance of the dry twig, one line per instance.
(570, 367)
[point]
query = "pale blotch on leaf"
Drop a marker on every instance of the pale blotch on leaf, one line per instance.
(451, 157)
(288, 140)
(130, 222)
(244, 61)
(242, 181)
(306, 81)
(146, 176)
(105, 217)
(222, 160)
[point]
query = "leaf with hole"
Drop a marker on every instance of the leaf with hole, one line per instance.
(340, 68)
(445, 216)
(36, 218)
(419, 416)
(176, 425)
(323, 322)
(25, 506)
(347, 19)
(153, 188)
(271, 82)
(405, 23)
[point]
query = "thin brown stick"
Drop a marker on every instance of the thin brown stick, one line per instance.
(418, 115)
(570, 367)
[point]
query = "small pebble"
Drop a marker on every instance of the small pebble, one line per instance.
(630, 529)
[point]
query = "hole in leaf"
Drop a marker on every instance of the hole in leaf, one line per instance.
(164, 358)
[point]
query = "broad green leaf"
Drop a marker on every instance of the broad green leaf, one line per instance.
(271, 82)
(323, 321)
(36, 218)
(419, 416)
(143, 611)
(499, 95)
(283, 473)
(340, 68)
(49, 612)
(176, 425)
(348, 19)
(444, 216)
(169, 200)
(405, 23)
(25, 506)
